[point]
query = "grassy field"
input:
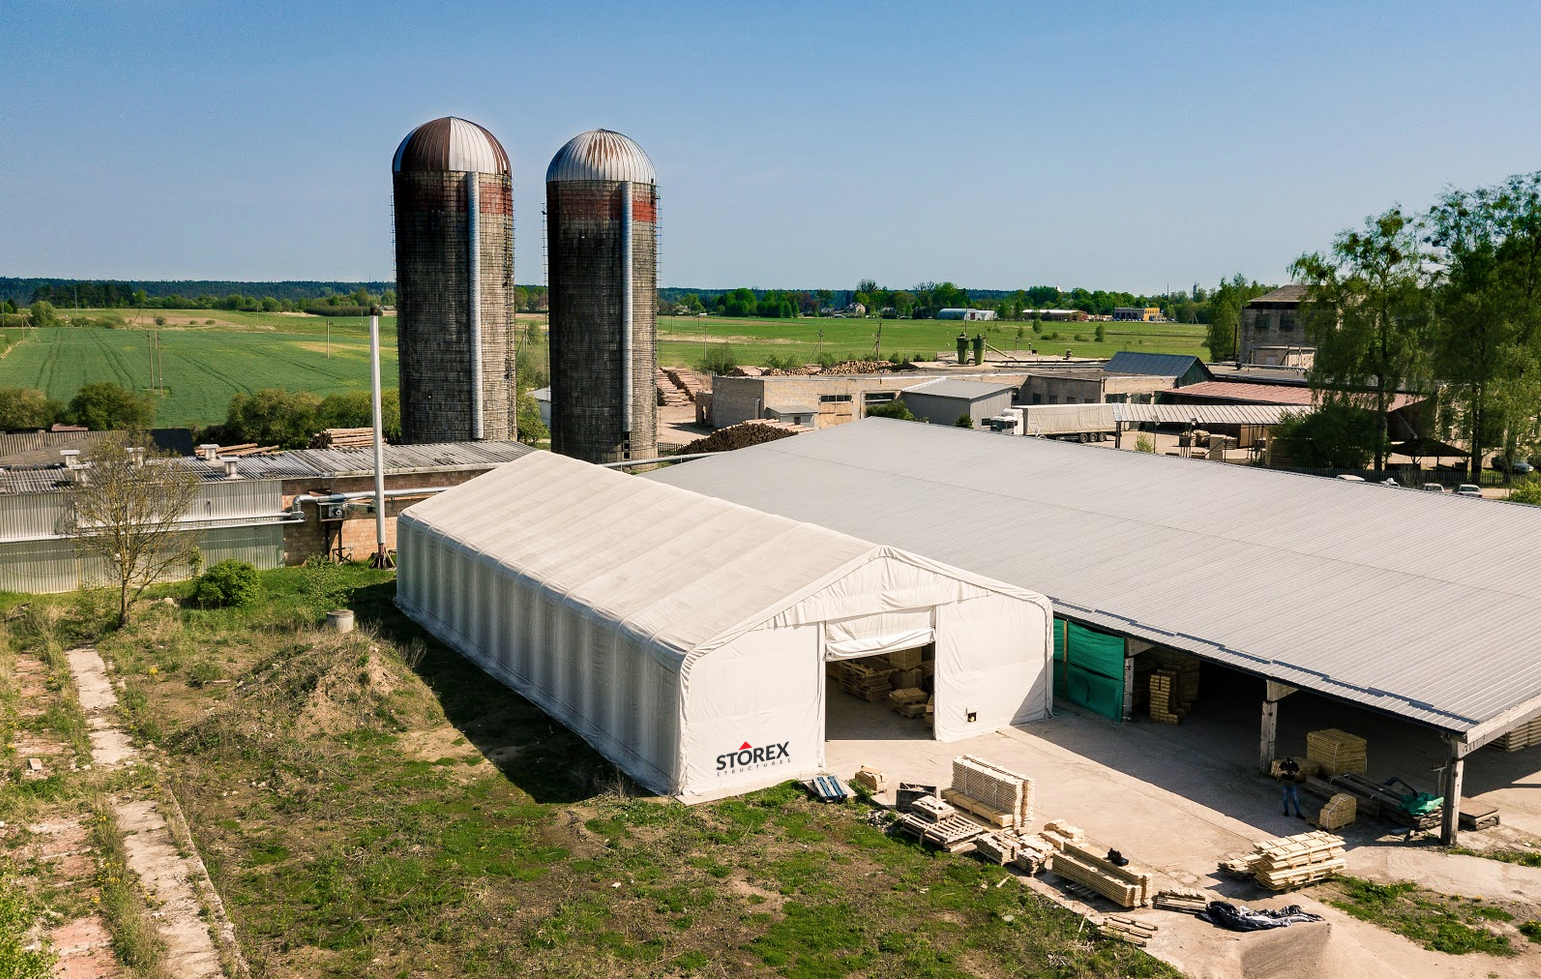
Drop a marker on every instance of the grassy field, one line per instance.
(203, 365)
(680, 338)
(371, 804)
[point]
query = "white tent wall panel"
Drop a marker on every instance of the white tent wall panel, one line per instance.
(994, 655)
(764, 689)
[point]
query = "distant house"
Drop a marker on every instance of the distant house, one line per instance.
(856, 309)
(1137, 314)
(1271, 333)
(955, 313)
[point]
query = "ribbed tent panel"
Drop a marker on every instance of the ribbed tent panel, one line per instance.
(670, 629)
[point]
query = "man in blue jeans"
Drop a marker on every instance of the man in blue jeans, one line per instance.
(1289, 775)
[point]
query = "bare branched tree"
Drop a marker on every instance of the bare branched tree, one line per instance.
(126, 513)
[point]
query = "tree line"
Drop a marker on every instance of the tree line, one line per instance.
(1446, 303)
(118, 294)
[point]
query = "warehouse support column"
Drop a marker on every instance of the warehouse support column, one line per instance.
(1128, 681)
(1450, 788)
(1276, 692)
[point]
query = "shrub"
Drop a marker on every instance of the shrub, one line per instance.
(1144, 443)
(720, 359)
(1102, 334)
(894, 409)
(1527, 490)
(228, 583)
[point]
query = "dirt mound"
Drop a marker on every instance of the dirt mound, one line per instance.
(736, 437)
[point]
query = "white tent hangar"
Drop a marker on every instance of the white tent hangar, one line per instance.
(685, 637)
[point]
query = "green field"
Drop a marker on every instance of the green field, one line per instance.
(202, 365)
(680, 338)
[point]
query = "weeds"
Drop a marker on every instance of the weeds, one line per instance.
(133, 935)
(1438, 922)
(17, 918)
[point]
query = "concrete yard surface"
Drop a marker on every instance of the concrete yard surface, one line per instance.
(1178, 800)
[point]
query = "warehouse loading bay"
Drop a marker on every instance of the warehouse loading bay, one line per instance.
(1177, 797)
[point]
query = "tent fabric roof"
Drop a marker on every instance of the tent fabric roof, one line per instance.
(1411, 603)
(682, 570)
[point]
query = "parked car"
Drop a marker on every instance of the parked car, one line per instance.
(1468, 489)
(1518, 467)
(1434, 488)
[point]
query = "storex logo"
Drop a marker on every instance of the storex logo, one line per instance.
(748, 756)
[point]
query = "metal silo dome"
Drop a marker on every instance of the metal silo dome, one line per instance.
(450, 144)
(600, 154)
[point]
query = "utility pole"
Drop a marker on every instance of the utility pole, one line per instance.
(382, 557)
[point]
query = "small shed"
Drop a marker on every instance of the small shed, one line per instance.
(686, 637)
(943, 402)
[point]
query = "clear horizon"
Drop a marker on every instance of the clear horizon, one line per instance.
(1116, 145)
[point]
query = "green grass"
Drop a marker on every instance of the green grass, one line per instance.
(342, 845)
(753, 340)
(1525, 858)
(1439, 922)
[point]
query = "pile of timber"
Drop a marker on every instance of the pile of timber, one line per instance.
(1058, 833)
(1183, 899)
(248, 449)
(1128, 886)
(1338, 812)
(997, 795)
(688, 381)
(343, 438)
(669, 394)
(1372, 799)
(907, 665)
(1164, 703)
(860, 680)
(912, 702)
(1521, 736)
(1290, 861)
(930, 820)
(871, 779)
(1337, 752)
(1126, 929)
(739, 436)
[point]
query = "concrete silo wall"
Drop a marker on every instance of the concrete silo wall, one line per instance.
(587, 293)
(433, 291)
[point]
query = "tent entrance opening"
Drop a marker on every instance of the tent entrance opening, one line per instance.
(881, 695)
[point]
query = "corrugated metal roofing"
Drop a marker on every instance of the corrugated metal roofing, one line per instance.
(1206, 414)
(600, 154)
(1159, 365)
(1424, 606)
(1273, 394)
(450, 144)
(949, 387)
(1292, 293)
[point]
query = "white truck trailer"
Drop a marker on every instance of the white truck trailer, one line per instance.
(1075, 423)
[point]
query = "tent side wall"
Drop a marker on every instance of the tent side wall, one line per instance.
(619, 694)
(994, 658)
(765, 689)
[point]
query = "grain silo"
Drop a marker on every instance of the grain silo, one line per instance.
(602, 237)
(454, 215)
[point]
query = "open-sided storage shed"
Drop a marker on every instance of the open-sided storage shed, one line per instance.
(685, 637)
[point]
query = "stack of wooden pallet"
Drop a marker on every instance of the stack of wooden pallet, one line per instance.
(1165, 706)
(997, 795)
(1290, 861)
(860, 680)
(1337, 752)
(910, 702)
(1339, 812)
(999, 848)
(1522, 736)
(1033, 853)
(1183, 899)
(931, 820)
(343, 438)
(1187, 670)
(1126, 929)
(871, 779)
(1128, 885)
(1057, 833)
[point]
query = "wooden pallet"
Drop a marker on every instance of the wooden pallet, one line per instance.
(991, 815)
(1132, 930)
(1182, 900)
(953, 833)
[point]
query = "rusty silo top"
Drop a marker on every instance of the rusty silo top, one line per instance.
(450, 144)
(600, 154)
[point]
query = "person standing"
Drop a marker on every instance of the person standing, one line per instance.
(1289, 777)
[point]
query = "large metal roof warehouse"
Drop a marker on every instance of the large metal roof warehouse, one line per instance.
(685, 637)
(1421, 606)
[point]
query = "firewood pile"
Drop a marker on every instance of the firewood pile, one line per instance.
(343, 438)
(737, 437)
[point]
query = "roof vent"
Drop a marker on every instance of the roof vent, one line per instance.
(208, 451)
(71, 458)
(232, 467)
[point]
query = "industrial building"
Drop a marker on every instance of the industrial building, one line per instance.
(454, 225)
(269, 511)
(1183, 369)
(1411, 609)
(1137, 314)
(956, 313)
(602, 258)
(820, 400)
(686, 638)
(1272, 332)
(947, 400)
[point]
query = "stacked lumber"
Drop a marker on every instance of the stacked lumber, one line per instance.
(1338, 752)
(1183, 899)
(1294, 861)
(1033, 853)
(1339, 812)
(998, 848)
(1081, 866)
(1374, 799)
(343, 438)
(1058, 833)
(668, 394)
(1521, 736)
(1130, 874)
(1184, 666)
(687, 380)
(871, 779)
(1126, 929)
(1165, 706)
(932, 810)
(249, 449)
(997, 795)
(860, 680)
(910, 702)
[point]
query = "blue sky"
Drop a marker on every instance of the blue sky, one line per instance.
(1107, 144)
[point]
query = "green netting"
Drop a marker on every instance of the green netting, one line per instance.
(1089, 669)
